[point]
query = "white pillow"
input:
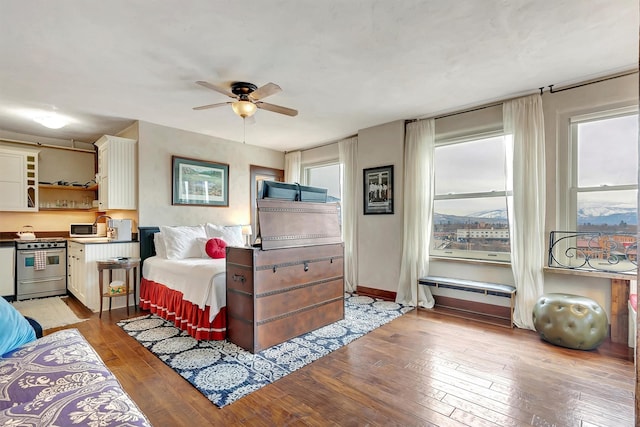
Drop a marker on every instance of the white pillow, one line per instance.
(202, 244)
(181, 241)
(231, 234)
(158, 242)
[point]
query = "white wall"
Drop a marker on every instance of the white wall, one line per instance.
(380, 236)
(321, 154)
(156, 145)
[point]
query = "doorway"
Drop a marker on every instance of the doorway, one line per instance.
(258, 175)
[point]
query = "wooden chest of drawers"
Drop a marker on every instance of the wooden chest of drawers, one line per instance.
(276, 295)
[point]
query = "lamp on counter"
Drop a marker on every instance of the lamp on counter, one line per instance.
(247, 232)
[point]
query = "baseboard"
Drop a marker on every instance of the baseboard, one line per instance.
(376, 293)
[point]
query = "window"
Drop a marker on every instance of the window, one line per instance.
(470, 203)
(327, 176)
(604, 179)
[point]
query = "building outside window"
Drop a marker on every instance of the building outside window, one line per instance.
(470, 203)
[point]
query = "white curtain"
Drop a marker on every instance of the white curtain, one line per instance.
(418, 213)
(349, 159)
(523, 118)
(292, 166)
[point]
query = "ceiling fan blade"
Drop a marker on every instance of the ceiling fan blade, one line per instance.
(264, 91)
(277, 109)
(204, 107)
(221, 90)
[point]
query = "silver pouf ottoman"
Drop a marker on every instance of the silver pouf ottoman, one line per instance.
(570, 321)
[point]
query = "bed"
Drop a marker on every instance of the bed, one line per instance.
(180, 282)
(60, 380)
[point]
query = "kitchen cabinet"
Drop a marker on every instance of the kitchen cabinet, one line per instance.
(7, 268)
(83, 279)
(117, 173)
(76, 271)
(18, 179)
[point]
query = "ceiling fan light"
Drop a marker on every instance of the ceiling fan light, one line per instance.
(244, 108)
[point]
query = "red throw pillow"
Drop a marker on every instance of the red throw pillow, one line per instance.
(216, 248)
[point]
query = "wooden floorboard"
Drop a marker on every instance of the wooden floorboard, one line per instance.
(423, 369)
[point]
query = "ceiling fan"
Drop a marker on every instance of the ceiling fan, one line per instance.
(248, 97)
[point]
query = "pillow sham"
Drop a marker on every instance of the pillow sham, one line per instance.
(216, 248)
(181, 241)
(158, 243)
(231, 234)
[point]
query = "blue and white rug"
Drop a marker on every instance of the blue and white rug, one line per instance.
(224, 372)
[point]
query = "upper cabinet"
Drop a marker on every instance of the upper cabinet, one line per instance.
(117, 177)
(18, 179)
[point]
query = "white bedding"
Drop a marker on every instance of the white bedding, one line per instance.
(201, 280)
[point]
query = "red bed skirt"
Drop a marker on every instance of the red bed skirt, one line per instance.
(169, 305)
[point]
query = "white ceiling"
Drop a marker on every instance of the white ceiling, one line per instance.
(344, 64)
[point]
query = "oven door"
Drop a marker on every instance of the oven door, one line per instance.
(37, 280)
(54, 265)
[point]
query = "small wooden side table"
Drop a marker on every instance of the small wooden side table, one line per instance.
(126, 264)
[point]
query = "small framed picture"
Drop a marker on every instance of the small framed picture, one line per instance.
(199, 182)
(378, 190)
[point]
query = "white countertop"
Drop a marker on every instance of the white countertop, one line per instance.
(100, 240)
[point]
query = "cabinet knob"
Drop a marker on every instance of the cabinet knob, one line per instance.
(306, 266)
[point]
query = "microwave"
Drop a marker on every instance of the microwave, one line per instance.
(87, 230)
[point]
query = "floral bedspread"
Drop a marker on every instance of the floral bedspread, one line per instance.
(60, 380)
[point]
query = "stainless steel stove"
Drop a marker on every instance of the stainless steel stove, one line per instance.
(42, 243)
(41, 267)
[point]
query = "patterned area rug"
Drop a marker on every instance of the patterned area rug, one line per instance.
(224, 372)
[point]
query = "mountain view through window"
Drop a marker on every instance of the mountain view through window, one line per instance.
(606, 174)
(470, 207)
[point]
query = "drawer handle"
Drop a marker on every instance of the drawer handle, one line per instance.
(306, 266)
(238, 278)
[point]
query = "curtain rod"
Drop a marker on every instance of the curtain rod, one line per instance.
(355, 135)
(469, 110)
(604, 79)
(495, 104)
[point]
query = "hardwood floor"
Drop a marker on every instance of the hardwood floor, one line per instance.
(423, 369)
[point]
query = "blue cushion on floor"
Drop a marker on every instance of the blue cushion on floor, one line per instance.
(15, 330)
